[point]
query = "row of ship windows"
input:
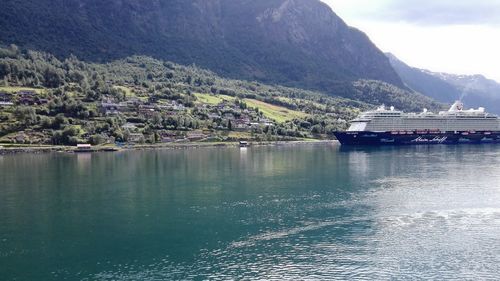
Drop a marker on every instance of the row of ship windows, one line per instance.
(478, 121)
(448, 128)
(432, 117)
(381, 115)
(467, 124)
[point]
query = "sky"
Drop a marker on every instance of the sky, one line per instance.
(454, 36)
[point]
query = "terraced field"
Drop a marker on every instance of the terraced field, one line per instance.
(19, 89)
(212, 99)
(277, 113)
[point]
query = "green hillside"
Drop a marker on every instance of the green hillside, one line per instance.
(140, 99)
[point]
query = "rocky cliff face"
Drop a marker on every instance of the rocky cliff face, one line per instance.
(294, 42)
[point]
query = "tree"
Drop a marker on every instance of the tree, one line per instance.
(26, 115)
(14, 49)
(157, 120)
(97, 139)
(54, 78)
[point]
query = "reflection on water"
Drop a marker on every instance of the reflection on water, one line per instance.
(274, 213)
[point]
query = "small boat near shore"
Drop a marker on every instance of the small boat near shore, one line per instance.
(87, 148)
(83, 148)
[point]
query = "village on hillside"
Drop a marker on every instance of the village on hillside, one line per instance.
(138, 119)
(141, 100)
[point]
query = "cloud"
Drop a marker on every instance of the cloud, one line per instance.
(454, 36)
(422, 12)
(442, 12)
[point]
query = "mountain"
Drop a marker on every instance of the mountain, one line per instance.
(299, 43)
(424, 82)
(471, 84)
(473, 90)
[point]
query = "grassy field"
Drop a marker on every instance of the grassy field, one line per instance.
(13, 90)
(211, 99)
(240, 135)
(276, 113)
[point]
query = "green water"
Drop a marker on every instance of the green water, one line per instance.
(314, 212)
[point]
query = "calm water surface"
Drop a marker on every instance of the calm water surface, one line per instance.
(283, 213)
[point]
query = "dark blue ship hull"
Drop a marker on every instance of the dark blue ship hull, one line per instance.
(415, 138)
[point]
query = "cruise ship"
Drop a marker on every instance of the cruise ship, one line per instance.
(387, 126)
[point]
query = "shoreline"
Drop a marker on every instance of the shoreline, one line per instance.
(171, 146)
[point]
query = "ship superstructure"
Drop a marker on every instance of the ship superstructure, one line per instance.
(390, 126)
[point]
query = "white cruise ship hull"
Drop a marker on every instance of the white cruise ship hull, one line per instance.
(416, 137)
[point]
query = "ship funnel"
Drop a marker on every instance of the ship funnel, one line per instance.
(457, 106)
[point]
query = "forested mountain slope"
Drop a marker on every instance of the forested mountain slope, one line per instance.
(299, 43)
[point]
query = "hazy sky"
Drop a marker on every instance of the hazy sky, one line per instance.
(456, 36)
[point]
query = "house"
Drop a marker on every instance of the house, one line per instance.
(228, 116)
(125, 107)
(129, 126)
(26, 94)
(266, 122)
(167, 137)
(26, 97)
(5, 97)
(195, 136)
(20, 138)
(6, 103)
(148, 106)
(133, 102)
(242, 124)
(255, 124)
(171, 113)
(135, 138)
(146, 111)
(177, 106)
(213, 116)
(110, 108)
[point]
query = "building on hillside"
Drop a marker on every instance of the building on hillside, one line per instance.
(129, 126)
(26, 94)
(228, 116)
(136, 138)
(213, 116)
(171, 113)
(146, 111)
(195, 136)
(266, 122)
(5, 97)
(242, 124)
(110, 108)
(134, 102)
(168, 136)
(6, 103)
(125, 107)
(26, 98)
(255, 124)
